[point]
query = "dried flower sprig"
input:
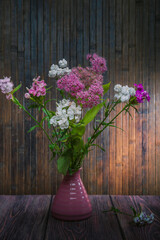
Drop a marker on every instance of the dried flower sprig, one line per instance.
(140, 218)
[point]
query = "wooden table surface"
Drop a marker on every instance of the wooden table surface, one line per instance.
(29, 217)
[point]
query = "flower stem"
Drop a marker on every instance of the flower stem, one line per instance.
(38, 124)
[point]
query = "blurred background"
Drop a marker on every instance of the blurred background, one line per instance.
(37, 33)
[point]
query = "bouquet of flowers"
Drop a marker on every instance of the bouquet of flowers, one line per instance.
(81, 88)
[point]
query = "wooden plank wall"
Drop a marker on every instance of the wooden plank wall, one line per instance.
(36, 33)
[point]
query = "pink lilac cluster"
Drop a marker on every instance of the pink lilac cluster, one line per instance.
(92, 93)
(6, 87)
(141, 94)
(87, 76)
(85, 84)
(38, 88)
(71, 84)
(98, 63)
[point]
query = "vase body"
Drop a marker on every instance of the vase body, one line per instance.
(71, 201)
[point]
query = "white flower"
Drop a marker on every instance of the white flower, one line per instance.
(64, 123)
(118, 95)
(53, 121)
(74, 111)
(52, 73)
(132, 91)
(60, 111)
(60, 72)
(125, 98)
(70, 113)
(118, 88)
(63, 103)
(125, 90)
(54, 67)
(67, 70)
(66, 111)
(62, 63)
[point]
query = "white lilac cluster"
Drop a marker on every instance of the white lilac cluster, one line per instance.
(66, 111)
(58, 71)
(124, 92)
(143, 218)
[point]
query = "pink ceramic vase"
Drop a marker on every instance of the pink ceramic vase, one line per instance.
(71, 201)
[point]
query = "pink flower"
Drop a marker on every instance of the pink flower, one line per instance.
(6, 85)
(38, 88)
(27, 95)
(85, 84)
(71, 84)
(141, 94)
(98, 63)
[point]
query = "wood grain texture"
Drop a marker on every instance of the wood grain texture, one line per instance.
(105, 135)
(157, 97)
(1, 97)
(131, 79)
(98, 226)
(111, 63)
(27, 81)
(36, 34)
(148, 204)
(29, 217)
(23, 217)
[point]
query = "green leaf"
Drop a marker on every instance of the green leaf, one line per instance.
(49, 101)
(106, 87)
(105, 124)
(79, 130)
(63, 138)
(127, 111)
(135, 108)
(51, 146)
(33, 106)
(64, 161)
(134, 211)
(116, 127)
(91, 114)
(15, 100)
(44, 110)
(49, 88)
(98, 146)
(49, 125)
(52, 113)
(77, 144)
(43, 120)
(97, 134)
(17, 88)
(53, 156)
(32, 128)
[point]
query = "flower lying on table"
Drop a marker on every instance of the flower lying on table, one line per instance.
(81, 88)
(139, 218)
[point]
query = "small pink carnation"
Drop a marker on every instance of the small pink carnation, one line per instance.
(38, 88)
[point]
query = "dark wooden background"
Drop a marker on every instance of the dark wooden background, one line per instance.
(36, 33)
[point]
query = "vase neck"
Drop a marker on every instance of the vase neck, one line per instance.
(76, 174)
